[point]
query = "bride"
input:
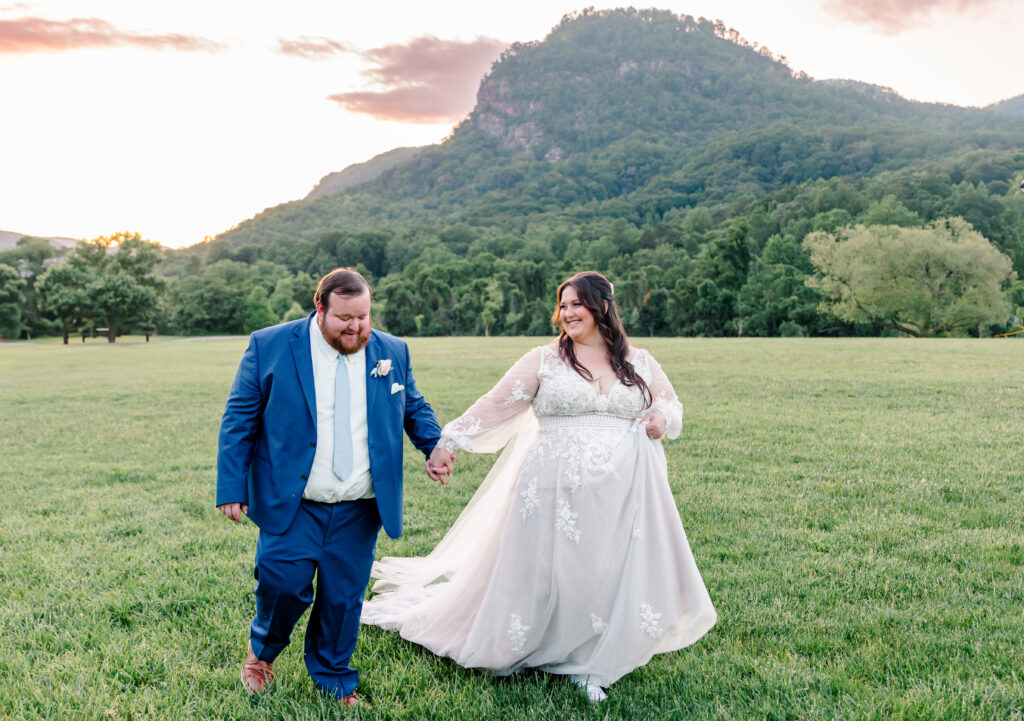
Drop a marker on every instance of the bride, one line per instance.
(570, 557)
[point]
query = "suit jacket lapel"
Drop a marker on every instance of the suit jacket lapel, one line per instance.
(373, 350)
(303, 357)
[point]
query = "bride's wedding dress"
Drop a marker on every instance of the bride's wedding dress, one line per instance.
(571, 556)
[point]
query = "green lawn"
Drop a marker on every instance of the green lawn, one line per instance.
(855, 506)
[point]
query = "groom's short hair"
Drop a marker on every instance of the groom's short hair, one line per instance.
(341, 281)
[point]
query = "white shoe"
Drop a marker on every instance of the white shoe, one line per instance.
(595, 694)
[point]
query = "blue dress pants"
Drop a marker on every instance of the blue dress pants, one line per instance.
(335, 542)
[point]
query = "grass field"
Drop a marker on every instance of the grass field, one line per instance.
(856, 508)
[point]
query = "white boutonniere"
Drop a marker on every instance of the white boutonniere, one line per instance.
(382, 368)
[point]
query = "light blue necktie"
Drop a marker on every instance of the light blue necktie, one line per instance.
(342, 422)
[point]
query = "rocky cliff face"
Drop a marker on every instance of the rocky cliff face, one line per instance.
(498, 114)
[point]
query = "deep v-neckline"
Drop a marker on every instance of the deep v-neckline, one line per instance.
(595, 385)
(604, 395)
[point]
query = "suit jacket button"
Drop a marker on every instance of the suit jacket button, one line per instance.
(312, 445)
(302, 477)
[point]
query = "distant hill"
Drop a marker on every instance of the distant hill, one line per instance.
(1012, 106)
(9, 239)
(640, 115)
(361, 172)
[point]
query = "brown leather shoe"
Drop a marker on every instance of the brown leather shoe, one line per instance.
(354, 700)
(256, 674)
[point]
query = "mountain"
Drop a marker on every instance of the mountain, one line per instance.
(642, 115)
(1012, 106)
(9, 239)
(360, 172)
(682, 161)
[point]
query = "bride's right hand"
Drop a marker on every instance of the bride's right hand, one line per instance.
(655, 425)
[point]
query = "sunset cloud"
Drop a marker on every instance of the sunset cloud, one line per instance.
(895, 16)
(34, 35)
(312, 48)
(412, 104)
(427, 80)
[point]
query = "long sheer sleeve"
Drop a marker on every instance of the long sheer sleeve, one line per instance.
(665, 400)
(490, 422)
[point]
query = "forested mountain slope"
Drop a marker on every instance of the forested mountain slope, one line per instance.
(360, 172)
(1011, 106)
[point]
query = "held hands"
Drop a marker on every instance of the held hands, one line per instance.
(440, 465)
(655, 425)
(234, 511)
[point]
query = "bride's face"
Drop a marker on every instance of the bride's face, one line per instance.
(576, 320)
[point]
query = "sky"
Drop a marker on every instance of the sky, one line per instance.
(179, 119)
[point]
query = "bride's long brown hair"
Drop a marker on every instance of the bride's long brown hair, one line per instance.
(597, 295)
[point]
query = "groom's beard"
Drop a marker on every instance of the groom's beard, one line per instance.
(346, 344)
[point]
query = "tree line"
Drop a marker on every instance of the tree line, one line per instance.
(904, 253)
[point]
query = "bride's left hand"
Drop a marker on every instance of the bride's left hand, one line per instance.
(655, 425)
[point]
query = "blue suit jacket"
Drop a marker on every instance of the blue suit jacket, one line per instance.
(268, 432)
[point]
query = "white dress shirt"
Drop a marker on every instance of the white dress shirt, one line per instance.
(323, 485)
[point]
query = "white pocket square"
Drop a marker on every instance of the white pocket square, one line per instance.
(395, 387)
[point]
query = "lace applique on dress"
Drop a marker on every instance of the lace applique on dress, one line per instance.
(582, 448)
(530, 500)
(567, 521)
(597, 624)
(517, 632)
(564, 392)
(649, 621)
(518, 394)
(457, 433)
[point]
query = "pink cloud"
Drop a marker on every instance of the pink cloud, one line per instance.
(33, 35)
(427, 80)
(311, 48)
(895, 16)
(412, 104)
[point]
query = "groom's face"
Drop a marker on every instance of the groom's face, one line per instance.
(345, 321)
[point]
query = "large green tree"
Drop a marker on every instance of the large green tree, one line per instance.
(121, 301)
(125, 292)
(63, 294)
(945, 278)
(11, 300)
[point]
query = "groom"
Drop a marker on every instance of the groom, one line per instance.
(310, 450)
